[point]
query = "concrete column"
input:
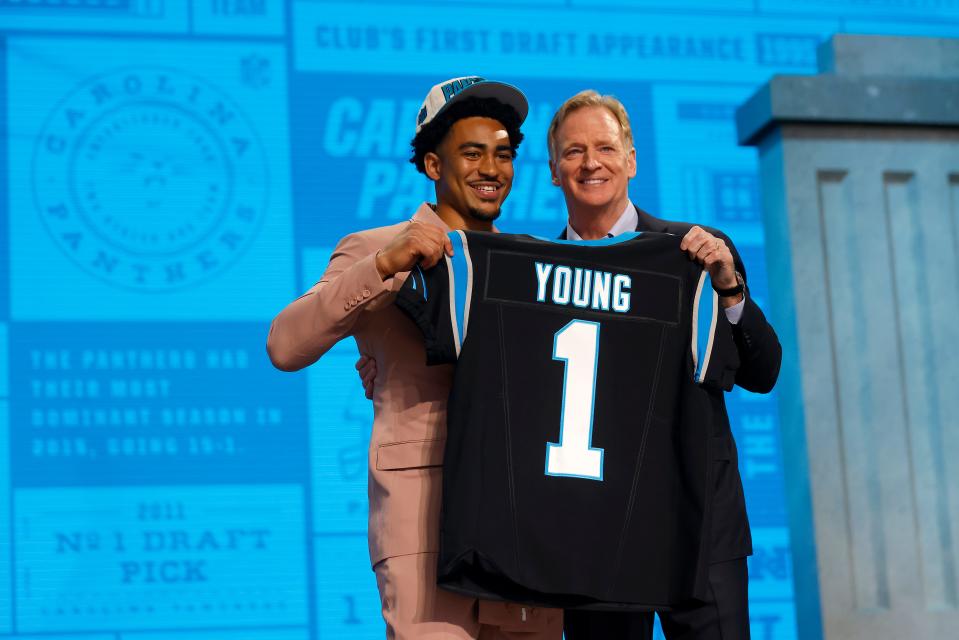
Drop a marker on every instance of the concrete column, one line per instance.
(860, 188)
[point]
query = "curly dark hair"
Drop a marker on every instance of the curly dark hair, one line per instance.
(430, 136)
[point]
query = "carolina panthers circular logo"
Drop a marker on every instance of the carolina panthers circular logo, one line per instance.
(150, 178)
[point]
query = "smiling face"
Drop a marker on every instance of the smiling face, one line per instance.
(473, 172)
(591, 163)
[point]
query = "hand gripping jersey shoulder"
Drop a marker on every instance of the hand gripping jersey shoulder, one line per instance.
(578, 422)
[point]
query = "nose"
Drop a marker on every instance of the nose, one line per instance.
(487, 166)
(589, 160)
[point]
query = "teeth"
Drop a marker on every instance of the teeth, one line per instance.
(486, 188)
(593, 181)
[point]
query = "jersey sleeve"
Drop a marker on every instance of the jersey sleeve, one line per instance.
(437, 300)
(714, 355)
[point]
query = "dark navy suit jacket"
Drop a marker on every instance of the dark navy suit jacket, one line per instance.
(760, 356)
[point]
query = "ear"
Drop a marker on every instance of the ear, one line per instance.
(552, 172)
(631, 163)
(431, 163)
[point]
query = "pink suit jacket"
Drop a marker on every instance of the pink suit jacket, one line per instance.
(409, 405)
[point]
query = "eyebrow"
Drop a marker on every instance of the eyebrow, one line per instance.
(598, 143)
(483, 146)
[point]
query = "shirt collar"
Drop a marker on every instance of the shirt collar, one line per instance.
(628, 221)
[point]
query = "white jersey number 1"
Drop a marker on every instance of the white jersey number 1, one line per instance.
(578, 345)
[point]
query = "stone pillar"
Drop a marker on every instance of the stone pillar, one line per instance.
(860, 189)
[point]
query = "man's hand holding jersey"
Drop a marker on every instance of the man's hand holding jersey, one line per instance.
(418, 243)
(714, 255)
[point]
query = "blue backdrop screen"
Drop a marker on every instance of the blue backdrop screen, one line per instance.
(176, 171)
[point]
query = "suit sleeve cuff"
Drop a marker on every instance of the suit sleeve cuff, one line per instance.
(371, 285)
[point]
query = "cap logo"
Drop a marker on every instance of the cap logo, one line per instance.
(420, 118)
(450, 89)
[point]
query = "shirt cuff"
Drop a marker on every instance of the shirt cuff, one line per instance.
(735, 312)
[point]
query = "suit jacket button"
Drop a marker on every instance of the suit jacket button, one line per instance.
(366, 293)
(346, 307)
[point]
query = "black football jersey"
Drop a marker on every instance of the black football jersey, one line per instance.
(578, 425)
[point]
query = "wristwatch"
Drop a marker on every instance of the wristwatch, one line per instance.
(733, 291)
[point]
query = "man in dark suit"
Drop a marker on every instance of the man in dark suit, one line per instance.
(592, 159)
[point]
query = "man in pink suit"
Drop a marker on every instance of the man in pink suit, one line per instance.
(467, 133)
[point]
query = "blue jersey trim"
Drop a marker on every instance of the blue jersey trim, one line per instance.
(706, 306)
(460, 281)
(422, 279)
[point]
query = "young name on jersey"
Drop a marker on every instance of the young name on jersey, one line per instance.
(578, 287)
(584, 288)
